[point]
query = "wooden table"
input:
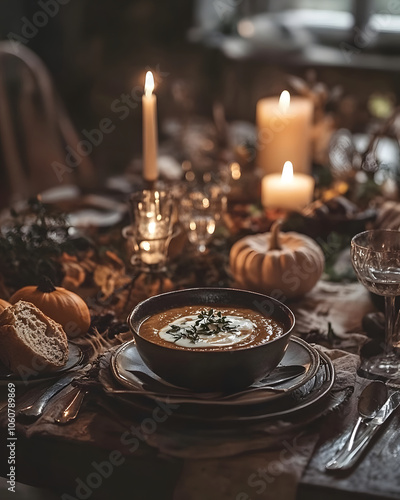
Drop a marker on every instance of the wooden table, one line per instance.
(375, 476)
(145, 475)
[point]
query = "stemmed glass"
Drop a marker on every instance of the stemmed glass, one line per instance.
(375, 256)
(200, 210)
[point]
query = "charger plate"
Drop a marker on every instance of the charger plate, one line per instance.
(310, 400)
(130, 371)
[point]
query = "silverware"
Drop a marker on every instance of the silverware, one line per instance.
(370, 401)
(71, 406)
(151, 384)
(348, 457)
(278, 376)
(283, 374)
(34, 411)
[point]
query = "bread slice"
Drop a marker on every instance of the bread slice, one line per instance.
(31, 342)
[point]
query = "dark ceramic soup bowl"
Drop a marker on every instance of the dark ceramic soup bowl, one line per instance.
(212, 370)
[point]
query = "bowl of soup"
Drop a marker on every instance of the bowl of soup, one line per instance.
(211, 339)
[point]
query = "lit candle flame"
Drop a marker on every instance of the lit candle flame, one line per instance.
(206, 202)
(145, 246)
(152, 228)
(284, 101)
(235, 171)
(287, 172)
(149, 84)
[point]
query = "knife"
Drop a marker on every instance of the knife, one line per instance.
(34, 411)
(347, 458)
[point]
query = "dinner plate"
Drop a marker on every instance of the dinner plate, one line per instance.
(303, 398)
(308, 399)
(29, 375)
(88, 210)
(82, 211)
(130, 371)
(96, 211)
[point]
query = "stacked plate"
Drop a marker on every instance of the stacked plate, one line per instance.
(34, 374)
(142, 389)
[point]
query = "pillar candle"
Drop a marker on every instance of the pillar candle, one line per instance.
(287, 191)
(284, 133)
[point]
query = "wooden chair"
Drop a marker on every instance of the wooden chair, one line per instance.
(36, 134)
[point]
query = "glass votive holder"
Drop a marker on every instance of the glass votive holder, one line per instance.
(152, 213)
(149, 253)
(153, 252)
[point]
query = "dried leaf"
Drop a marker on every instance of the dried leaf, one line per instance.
(114, 259)
(74, 275)
(104, 277)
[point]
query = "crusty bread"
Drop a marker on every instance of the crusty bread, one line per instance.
(31, 342)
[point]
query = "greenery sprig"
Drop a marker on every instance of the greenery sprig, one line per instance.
(32, 242)
(207, 323)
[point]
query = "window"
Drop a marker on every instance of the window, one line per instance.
(317, 30)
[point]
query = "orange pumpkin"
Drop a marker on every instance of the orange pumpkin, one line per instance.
(60, 304)
(3, 305)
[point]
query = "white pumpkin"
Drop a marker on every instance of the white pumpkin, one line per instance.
(285, 265)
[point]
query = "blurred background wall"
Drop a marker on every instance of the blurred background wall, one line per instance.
(234, 51)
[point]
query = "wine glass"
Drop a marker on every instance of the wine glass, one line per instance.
(199, 214)
(375, 256)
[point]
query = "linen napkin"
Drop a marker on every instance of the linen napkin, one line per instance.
(331, 314)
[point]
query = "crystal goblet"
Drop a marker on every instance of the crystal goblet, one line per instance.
(375, 255)
(199, 214)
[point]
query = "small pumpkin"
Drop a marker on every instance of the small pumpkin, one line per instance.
(286, 265)
(61, 305)
(3, 305)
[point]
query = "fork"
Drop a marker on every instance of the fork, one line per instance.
(72, 403)
(35, 410)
